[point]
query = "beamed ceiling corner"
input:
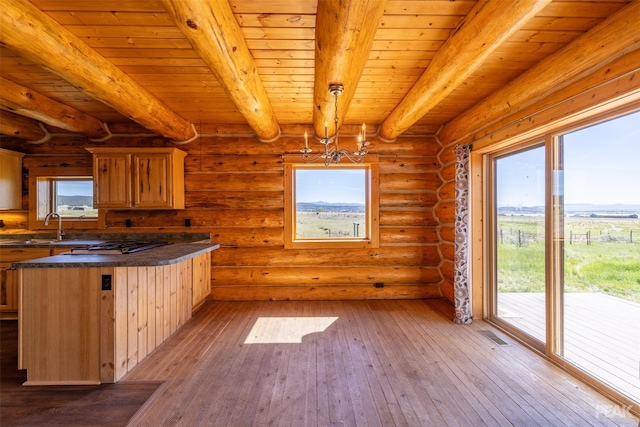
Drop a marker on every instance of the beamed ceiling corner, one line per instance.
(176, 67)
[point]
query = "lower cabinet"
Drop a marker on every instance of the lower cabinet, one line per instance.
(9, 277)
(93, 325)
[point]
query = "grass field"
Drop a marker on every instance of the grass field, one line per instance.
(330, 224)
(610, 263)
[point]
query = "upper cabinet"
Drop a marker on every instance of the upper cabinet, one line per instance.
(140, 178)
(10, 179)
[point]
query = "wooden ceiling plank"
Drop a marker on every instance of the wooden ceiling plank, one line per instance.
(604, 43)
(42, 40)
(22, 127)
(29, 103)
(214, 33)
(487, 27)
(344, 36)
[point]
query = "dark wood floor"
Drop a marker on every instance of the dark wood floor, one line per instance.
(366, 363)
(104, 405)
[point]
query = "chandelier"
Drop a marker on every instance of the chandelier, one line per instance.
(335, 154)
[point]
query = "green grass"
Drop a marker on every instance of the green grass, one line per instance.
(610, 264)
(329, 224)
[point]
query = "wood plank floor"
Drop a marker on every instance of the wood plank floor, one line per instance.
(602, 333)
(357, 363)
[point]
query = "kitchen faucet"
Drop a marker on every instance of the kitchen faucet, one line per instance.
(60, 232)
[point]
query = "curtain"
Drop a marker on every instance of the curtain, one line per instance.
(463, 314)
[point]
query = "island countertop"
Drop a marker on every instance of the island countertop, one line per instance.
(164, 255)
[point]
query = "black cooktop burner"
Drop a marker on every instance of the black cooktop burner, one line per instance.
(118, 247)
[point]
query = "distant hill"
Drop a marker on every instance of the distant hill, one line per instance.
(75, 200)
(572, 208)
(329, 207)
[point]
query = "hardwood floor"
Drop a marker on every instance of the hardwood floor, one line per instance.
(348, 363)
(113, 405)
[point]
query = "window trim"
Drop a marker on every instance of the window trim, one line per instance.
(371, 199)
(40, 197)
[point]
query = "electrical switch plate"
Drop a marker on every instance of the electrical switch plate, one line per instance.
(106, 282)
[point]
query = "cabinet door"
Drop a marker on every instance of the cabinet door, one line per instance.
(152, 183)
(112, 180)
(8, 288)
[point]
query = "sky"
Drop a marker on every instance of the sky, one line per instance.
(601, 166)
(330, 185)
(75, 188)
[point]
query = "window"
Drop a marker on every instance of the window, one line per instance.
(67, 191)
(335, 206)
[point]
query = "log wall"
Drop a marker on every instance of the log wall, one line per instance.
(235, 190)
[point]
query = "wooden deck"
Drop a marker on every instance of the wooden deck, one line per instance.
(602, 333)
(350, 363)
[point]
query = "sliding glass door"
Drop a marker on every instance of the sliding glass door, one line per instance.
(565, 248)
(519, 240)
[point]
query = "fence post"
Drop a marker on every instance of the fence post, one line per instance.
(570, 237)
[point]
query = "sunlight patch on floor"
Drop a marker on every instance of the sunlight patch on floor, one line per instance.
(286, 330)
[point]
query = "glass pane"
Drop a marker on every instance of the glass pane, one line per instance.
(520, 241)
(330, 203)
(602, 251)
(74, 198)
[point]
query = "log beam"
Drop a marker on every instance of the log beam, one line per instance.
(604, 43)
(214, 33)
(22, 128)
(344, 35)
(28, 103)
(37, 37)
(486, 27)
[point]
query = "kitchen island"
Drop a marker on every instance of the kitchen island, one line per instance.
(90, 319)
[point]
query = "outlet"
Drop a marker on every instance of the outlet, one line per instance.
(379, 285)
(127, 223)
(107, 282)
(187, 222)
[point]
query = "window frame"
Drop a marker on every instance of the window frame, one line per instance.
(372, 207)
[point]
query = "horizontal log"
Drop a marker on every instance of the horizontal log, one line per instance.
(448, 292)
(427, 181)
(447, 233)
(447, 191)
(408, 164)
(390, 256)
(234, 182)
(448, 172)
(16, 220)
(323, 293)
(210, 163)
(199, 218)
(445, 212)
(234, 199)
(322, 275)
(406, 218)
(248, 236)
(408, 236)
(408, 200)
(48, 161)
(447, 249)
(447, 270)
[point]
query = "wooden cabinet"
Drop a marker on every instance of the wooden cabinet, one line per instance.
(9, 278)
(138, 178)
(92, 325)
(10, 179)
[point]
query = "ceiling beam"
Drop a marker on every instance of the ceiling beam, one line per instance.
(609, 40)
(28, 103)
(22, 127)
(214, 33)
(484, 29)
(344, 35)
(37, 37)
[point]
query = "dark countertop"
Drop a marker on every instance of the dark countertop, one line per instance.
(164, 255)
(48, 240)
